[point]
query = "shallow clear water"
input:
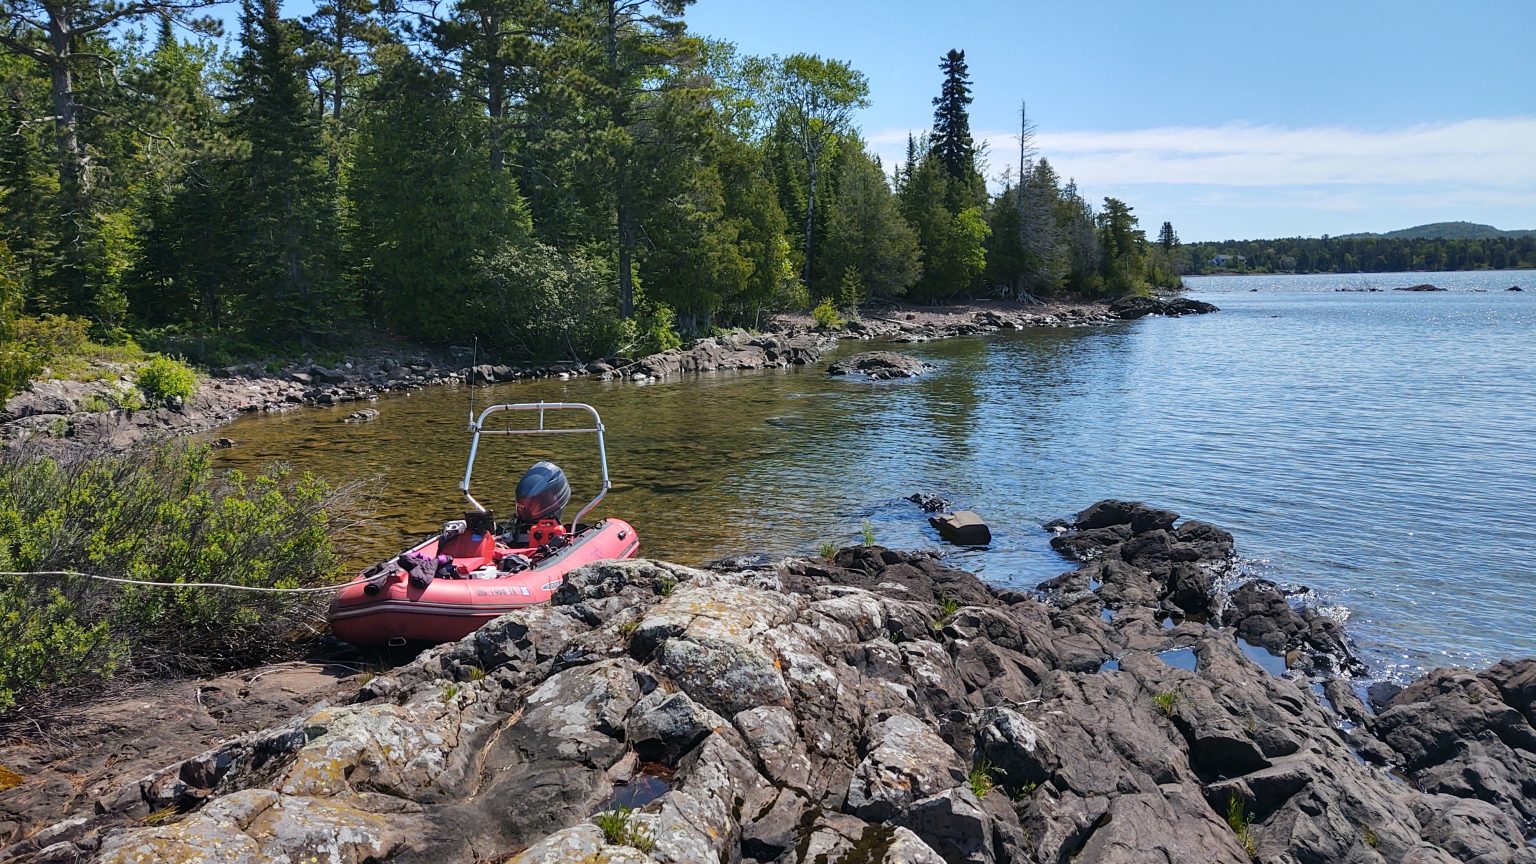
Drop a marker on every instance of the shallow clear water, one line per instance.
(1378, 447)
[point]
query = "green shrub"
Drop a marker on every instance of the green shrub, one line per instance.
(160, 514)
(1167, 702)
(543, 303)
(30, 345)
(166, 377)
(825, 314)
(659, 331)
(851, 291)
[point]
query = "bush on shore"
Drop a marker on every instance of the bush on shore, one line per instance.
(165, 378)
(160, 514)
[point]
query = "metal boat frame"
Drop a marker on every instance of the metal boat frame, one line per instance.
(477, 427)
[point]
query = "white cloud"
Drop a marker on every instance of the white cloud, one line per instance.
(1494, 154)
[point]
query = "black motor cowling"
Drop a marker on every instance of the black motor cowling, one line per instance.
(542, 493)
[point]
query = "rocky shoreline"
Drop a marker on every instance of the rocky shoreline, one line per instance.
(1153, 704)
(57, 414)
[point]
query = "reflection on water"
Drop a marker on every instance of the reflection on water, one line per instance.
(1375, 446)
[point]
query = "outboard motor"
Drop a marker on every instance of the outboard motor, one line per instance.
(542, 494)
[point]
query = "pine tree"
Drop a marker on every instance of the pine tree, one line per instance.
(341, 38)
(26, 190)
(865, 229)
(420, 136)
(285, 198)
(1166, 238)
(66, 39)
(952, 142)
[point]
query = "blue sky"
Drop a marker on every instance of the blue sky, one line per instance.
(1236, 119)
(1232, 120)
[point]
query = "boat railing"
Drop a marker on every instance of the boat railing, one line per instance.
(477, 428)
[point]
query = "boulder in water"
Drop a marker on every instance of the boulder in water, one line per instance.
(964, 528)
(880, 365)
(1425, 286)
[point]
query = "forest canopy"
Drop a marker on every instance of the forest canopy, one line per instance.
(559, 178)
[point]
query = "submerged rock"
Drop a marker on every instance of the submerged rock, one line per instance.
(880, 365)
(876, 707)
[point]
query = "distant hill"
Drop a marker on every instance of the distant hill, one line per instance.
(1443, 231)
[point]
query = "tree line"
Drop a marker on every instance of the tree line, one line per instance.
(1359, 255)
(561, 178)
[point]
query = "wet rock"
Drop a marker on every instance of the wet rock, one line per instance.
(962, 528)
(1514, 288)
(880, 366)
(1083, 545)
(1420, 287)
(1105, 514)
(361, 416)
(1186, 306)
(929, 503)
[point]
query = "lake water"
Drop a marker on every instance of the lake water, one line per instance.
(1379, 447)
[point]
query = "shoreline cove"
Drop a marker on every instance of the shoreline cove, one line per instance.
(55, 413)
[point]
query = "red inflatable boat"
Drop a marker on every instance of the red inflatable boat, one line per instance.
(477, 569)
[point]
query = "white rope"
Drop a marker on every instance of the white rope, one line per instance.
(149, 584)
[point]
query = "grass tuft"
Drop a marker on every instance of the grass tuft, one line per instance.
(1167, 702)
(828, 550)
(163, 816)
(1237, 820)
(620, 829)
(981, 779)
(868, 532)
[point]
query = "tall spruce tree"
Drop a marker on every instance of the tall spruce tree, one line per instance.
(417, 249)
(26, 189)
(66, 38)
(285, 198)
(341, 37)
(1166, 238)
(952, 143)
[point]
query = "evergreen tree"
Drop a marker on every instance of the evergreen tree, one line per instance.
(341, 36)
(427, 204)
(182, 214)
(1083, 251)
(1166, 238)
(952, 143)
(26, 187)
(1045, 254)
(865, 230)
(284, 196)
(952, 244)
(67, 39)
(1124, 263)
